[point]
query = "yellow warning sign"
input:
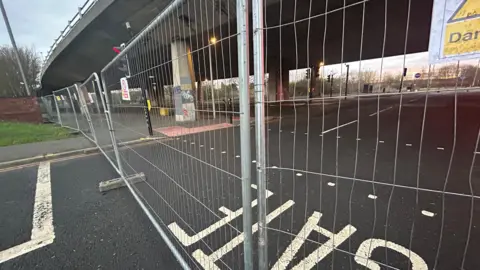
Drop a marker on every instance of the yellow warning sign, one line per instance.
(462, 31)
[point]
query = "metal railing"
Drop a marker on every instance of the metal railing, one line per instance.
(64, 33)
(342, 180)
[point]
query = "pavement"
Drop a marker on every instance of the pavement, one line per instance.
(23, 151)
(349, 184)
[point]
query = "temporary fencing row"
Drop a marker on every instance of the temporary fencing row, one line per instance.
(197, 163)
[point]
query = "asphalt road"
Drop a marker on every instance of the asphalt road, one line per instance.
(359, 177)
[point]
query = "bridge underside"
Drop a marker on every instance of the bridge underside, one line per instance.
(362, 30)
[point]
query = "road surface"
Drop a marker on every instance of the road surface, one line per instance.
(342, 186)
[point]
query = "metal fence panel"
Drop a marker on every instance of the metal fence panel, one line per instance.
(381, 166)
(183, 98)
(65, 108)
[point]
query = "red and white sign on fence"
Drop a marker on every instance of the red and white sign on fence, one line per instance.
(125, 90)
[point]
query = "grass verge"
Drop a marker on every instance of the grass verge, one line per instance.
(19, 133)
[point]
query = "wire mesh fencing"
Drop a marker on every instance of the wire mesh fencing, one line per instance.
(175, 85)
(375, 166)
(356, 164)
(66, 108)
(50, 108)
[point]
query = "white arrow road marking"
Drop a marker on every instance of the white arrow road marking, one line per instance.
(42, 229)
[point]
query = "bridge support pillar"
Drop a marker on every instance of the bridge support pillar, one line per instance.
(278, 81)
(183, 82)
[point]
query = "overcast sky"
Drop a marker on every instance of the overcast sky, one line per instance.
(37, 22)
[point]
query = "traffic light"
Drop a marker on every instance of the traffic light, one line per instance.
(308, 74)
(328, 78)
(123, 61)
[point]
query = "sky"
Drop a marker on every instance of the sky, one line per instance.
(37, 23)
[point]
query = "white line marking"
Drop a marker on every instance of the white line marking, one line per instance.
(476, 153)
(371, 196)
(349, 123)
(201, 145)
(428, 213)
(408, 144)
(188, 240)
(367, 247)
(184, 141)
(358, 139)
(299, 174)
(440, 148)
(224, 152)
(338, 137)
(254, 161)
(208, 261)
(326, 248)
(192, 143)
(381, 141)
(178, 139)
(237, 156)
(306, 133)
(386, 109)
(331, 184)
(274, 167)
(226, 211)
(211, 148)
(42, 228)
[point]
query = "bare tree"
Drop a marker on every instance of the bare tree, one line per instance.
(11, 84)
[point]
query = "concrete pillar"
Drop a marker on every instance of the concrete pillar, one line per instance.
(183, 87)
(278, 85)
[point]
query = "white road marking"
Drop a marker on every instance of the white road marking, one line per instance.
(367, 247)
(371, 196)
(476, 153)
(224, 152)
(201, 145)
(428, 213)
(208, 261)
(408, 144)
(298, 242)
(346, 124)
(322, 251)
(306, 133)
(386, 109)
(381, 141)
(440, 148)
(292, 132)
(211, 148)
(254, 161)
(358, 139)
(274, 167)
(331, 184)
(178, 139)
(184, 141)
(338, 137)
(237, 156)
(192, 143)
(42, 228)
(188, 240)
(299, 174)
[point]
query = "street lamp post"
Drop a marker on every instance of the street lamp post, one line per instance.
(213, 40)
(14, 45)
